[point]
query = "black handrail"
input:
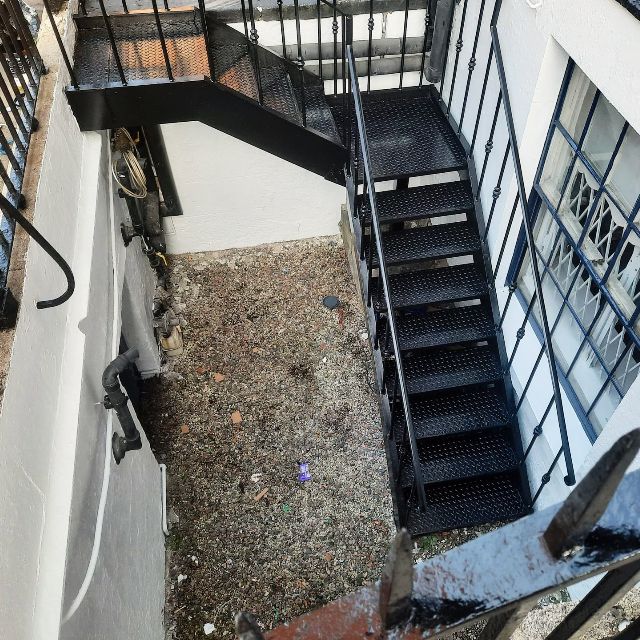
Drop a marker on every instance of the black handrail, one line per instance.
(383, 277)
(570, 478)
(9, 210)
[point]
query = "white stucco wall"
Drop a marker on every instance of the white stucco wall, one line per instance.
(235, 195)
(603, 38)
(52, 427)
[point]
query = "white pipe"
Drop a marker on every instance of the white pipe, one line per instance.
(163, 489)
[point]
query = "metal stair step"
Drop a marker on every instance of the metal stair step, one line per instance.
(451, 413)
(416, 203)
(431, 371)
(427, 243)
(428, 329)
(455, 458)
(432, 286)
(466, 503)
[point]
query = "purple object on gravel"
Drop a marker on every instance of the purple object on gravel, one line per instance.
(304, 474)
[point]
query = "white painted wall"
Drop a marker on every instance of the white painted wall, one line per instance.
(603, 38)
(52, 427)
(234, 195)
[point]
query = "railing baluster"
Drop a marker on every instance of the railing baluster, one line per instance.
(166, 5)
(8, 183)
(163, 44)
(546, 477)
(124, 6)
(481, 101)
(25, 35)
(370, 25)
(244, 18)
(504, 238)
(65, 57)
(112, 41)
(488, 147)
(207, 39)
(6, 147)
(23, 64)
(496, 192)
(472, 65)
(404, 41)
(334, 29)
(343, 25)
(11, 103)
(253, 45)
(427, 19)
(300, 64)
(282, 35)
(459, 45)
(319, 7)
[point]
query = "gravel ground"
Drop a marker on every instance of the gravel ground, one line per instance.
(269, 378)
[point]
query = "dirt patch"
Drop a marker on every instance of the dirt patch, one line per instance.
(270, 378)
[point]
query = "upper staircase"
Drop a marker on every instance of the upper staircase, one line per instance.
(221, 80)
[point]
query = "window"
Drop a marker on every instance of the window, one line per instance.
(587, 201)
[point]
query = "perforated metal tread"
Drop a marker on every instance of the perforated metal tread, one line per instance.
(467, 503)
(428, 143)
(416, 203)
(139, 48)
(319, 116)
(446, 369)
(470, 456)
(427, 243)
(451, 413)
(430, 286)
(428, 329)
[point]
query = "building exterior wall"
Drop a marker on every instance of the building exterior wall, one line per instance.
(53, 427)
(603, 38)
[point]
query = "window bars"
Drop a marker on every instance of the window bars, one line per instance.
(587, 203)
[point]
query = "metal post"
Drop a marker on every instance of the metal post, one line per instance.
(163, 44)
(112, 41)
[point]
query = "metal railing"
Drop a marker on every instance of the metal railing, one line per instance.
(358, 146)
(502, 107)
(21, 68)
(595, 531)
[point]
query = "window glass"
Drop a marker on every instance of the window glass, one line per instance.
(624, 178)
(602, 136)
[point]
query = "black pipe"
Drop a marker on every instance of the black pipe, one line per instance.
(117, 400)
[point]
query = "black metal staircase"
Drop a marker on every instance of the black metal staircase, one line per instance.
(121, 77)
(467, 444)
(450, 417)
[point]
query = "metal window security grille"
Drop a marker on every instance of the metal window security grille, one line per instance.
(587, 198)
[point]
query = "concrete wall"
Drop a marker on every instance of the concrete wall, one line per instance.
(53, 428)
(603, 38)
